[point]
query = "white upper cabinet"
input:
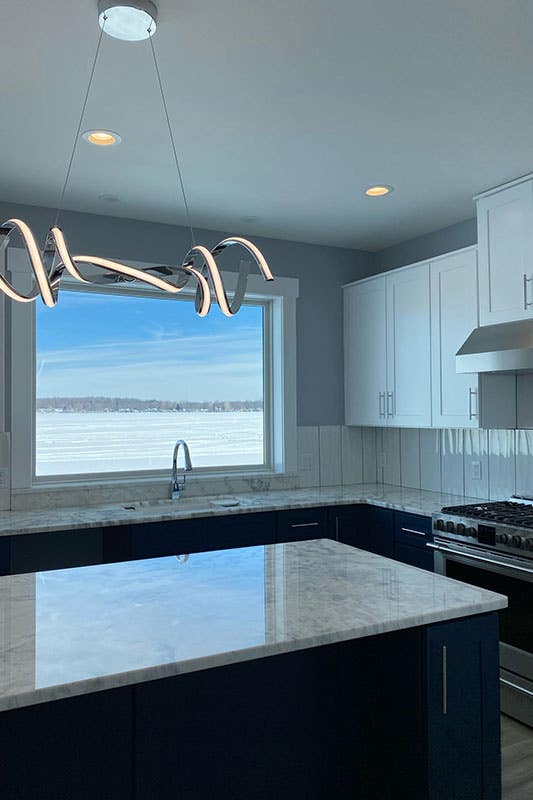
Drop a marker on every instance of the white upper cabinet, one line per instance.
(365, 352)
(505, 247)
(387, 350)
(408, 348)
(454, 315)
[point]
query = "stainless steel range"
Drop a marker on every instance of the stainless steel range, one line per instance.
(491, 545)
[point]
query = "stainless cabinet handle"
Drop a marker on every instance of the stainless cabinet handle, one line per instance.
(444, 680)
(411, 530)
(390, 404)
(382, 404)
(471, 413)
(527, 302)
(304, 524)
(517, 687)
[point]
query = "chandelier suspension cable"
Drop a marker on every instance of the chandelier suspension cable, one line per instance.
(50, 264)
(78, 129)
(172, 142)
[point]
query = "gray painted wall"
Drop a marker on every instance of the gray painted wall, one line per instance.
(321, 271)
(462, 234)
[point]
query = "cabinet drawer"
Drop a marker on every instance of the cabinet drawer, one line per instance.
(37, 552)
(412, 529)
(301, 524)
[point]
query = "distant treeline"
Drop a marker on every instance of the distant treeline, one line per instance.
(88, 404)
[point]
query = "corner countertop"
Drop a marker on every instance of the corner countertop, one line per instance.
(416, 501)
(76, 631)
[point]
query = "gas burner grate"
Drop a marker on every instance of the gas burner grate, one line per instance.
(506, 512)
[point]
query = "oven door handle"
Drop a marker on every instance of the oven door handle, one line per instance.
(476, 557)
(516, 687)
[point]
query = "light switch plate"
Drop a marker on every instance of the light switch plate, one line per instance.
(475, 470)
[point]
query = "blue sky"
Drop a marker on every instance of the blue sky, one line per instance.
(147, 348)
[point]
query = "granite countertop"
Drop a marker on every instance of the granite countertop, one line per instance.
(416, 501)
(75, 631)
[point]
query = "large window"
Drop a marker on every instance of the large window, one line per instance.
(120, 377)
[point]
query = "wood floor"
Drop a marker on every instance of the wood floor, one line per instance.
(517, 760)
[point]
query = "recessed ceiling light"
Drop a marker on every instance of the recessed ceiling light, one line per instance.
(379, 190)
(102, 138)
(129, 20)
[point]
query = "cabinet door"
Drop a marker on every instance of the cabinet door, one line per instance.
(79, 748)
(365, 352)
(505, 246)
(463, 710)
(157, 539)
(36, 552)
(408, 348)
(367, 527)
(454, 315)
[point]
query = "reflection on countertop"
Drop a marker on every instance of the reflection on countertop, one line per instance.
(75, 631)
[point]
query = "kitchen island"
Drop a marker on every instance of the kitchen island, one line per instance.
(298, 670)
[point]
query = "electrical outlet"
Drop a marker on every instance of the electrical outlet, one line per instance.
(475, 470)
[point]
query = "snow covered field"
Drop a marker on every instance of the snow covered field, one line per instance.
(70, 443)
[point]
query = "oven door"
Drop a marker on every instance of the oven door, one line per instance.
(513, 577)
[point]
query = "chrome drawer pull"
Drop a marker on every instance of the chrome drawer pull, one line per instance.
(471, 413)
(304, 524)
(516, 687)
(411, 530)
(444, 680)
(527, 302)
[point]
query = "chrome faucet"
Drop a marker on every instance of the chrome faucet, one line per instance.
(175, 485)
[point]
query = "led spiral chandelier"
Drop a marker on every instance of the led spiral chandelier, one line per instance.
(129, 20)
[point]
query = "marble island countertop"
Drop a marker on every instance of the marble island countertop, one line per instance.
(75, 631)
(416, 501)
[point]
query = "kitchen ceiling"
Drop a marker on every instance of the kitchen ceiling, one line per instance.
(283, 113)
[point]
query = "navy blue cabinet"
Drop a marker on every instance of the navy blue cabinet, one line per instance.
(411, 534)
(152, 540)
(463, 710)
(364, 526)
(74, 749)
(261, 729)
(5, 555)
(408, 714)
(36, 552)
(301, 524)
(379, 530)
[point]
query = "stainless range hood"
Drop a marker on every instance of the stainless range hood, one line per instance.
(507, 347)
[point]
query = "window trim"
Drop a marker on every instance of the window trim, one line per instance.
(279, 301)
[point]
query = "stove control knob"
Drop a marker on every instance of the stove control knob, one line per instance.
(516, 541)
(439, 524)
(502, 538)
(528, 544)
(472, 532)
(450, 527)
(460, 528)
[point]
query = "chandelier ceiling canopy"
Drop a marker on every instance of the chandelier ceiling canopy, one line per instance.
(132, 20)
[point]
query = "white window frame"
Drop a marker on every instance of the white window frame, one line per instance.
(279, 301)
